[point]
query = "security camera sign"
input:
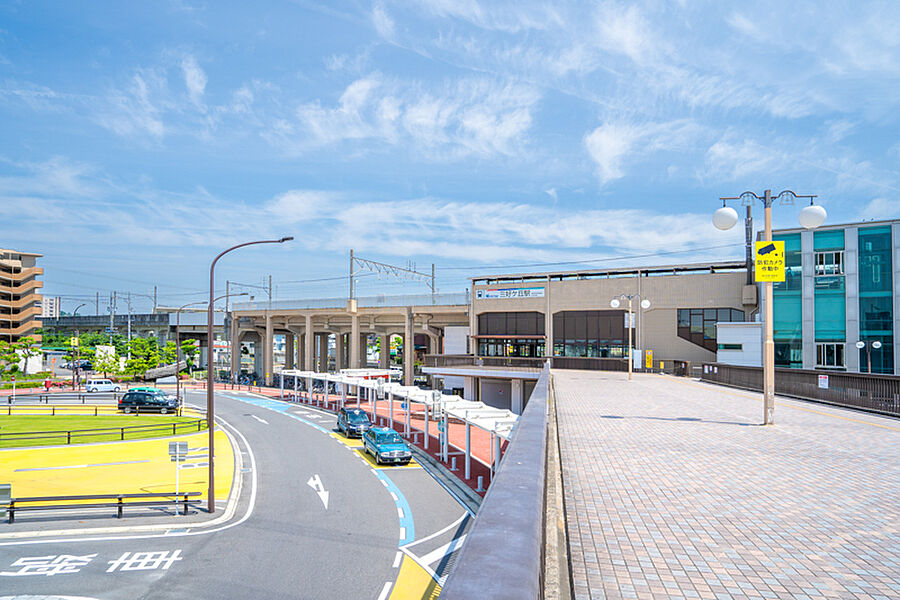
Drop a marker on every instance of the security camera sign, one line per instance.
(769, 261)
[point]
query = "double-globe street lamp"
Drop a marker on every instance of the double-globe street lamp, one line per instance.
(210, 381)
(178, 340)
(615, 303)
(869, 345)
(810, 217)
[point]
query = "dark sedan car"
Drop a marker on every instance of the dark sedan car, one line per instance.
(147, 402)
(353, 422)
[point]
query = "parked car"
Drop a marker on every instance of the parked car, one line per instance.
(147, 402)
(101, 385)
(386, 446)
(353, 422)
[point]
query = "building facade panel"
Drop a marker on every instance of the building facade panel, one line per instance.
(20, 310)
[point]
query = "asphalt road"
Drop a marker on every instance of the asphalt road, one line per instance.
(283, 541)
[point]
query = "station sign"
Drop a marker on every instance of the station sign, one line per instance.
(505, 293)
(770, 261)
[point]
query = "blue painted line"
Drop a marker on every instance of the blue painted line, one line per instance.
(407, 522)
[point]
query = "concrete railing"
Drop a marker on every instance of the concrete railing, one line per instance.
(452, 299)
(502, 556)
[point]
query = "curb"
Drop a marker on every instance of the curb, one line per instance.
(557, 579)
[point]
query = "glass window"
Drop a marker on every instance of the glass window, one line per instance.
(731, 346)
(724, 315)
(710, 314)
(684, 317)
(737, 316)
(830, 355)
(696, 323)
(829, 263)
(792, 263)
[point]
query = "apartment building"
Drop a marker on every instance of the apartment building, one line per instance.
(20, 302)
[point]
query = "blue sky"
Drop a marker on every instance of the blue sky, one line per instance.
(139, 139)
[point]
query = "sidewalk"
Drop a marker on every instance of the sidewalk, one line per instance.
(674, 490)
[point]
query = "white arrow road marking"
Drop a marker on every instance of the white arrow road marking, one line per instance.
(263, 421)
(315, 482)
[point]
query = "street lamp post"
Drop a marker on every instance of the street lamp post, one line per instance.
(810, 217)
(77, 348)
(868, 345)
(210, 402)
(645, 304)
(178, 339)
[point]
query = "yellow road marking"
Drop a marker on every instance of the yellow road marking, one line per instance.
(729, 392)
(157, 474)
(414, 583)
(357, 445)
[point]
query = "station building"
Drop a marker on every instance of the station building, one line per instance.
(518, 321)
(842, 287)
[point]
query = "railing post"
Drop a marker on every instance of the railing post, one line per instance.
(12, 511)
(68, 437)
(173, 428)
(123, 434)
(120, 507)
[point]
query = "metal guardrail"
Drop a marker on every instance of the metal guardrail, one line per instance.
(83, 396)
(78, 502)
(864, 391)
(69, 434)
(502, 555)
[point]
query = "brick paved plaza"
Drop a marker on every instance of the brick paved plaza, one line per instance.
(674, 490)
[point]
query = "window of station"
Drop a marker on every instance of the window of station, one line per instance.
(515, 334)
(593, 333)
(830, 263)
(698, 325)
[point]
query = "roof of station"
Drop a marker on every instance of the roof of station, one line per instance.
(648, 271)
(495, 420)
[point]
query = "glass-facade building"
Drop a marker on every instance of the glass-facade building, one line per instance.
(840, 288)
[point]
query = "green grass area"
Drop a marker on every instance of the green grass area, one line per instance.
(135, 428)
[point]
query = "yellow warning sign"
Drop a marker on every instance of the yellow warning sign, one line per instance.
(769, 261)
(73, 341)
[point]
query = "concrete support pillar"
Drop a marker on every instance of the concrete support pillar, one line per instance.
(384, 356)
(354, 342)
(268, 351)
(518, 396)
(339, 351)
(259, 366)
(363, 350)
(469, 389)
(289, 350)
(408, 349)
(851, 287)
(808, 299)
(308, 349)
(235, 348)
(323, 352)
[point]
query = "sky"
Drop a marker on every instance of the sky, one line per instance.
(140, 139)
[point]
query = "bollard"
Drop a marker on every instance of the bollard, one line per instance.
(480, 487)
(453, 463)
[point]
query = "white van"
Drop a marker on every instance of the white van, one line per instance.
(101, 385)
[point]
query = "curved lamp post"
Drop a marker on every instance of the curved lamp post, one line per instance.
(178, 339)
(615, 303)
(810, 217)
(210, 403)
(77, 349)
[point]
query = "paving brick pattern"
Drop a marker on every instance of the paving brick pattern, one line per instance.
(674, 490)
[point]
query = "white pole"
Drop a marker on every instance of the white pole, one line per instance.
(426, 427)
(281, 382)
(296, 395)
(446, 438)
(406, 410)
(309, 389)
(391, 407)
(492, 456)
(468, 450)
(374, 406)
(325, 385)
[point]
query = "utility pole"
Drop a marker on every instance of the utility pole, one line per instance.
(351, 273)
(97, 305)
(154, 300)
(270, 292)
(128, 346)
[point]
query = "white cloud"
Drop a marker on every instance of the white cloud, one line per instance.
(133, 111)
(729, 159)
(383, 22)
(194, 79)
(474, 116)
(880, 208)
(302, 205)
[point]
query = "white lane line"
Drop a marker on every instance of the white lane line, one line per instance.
(394, 496)
(439, 553)
(384, 591)
(127, 462)
(263, 421)
(403, 533)
(397, 559)
(399, 512)
(437, 533)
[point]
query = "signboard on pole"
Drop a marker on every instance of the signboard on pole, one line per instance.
(770, 261)
(649, 360)
(823, 382)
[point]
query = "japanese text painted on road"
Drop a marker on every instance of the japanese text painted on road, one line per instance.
(770, 261)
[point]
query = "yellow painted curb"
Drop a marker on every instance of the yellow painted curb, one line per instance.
(414, 583)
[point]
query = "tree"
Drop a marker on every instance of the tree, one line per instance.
(9, 358)
(190, 349)
(106, 363)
